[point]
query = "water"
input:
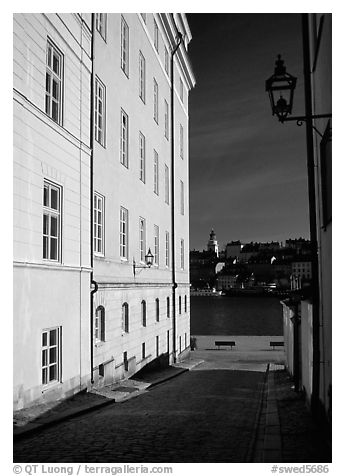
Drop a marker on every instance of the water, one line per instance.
(236, 316)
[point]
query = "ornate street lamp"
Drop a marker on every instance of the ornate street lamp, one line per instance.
(148, 262)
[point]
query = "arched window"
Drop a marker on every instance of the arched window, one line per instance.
(185, 303)
(143, 313)
(125, 317)
(168, 306)
(99, 324)
(157, 310)
(179, 304)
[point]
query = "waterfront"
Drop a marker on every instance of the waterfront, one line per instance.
(236, 316)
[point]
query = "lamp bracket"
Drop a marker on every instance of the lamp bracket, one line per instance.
(300, 119)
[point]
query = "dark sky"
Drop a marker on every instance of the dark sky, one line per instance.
(248, 177)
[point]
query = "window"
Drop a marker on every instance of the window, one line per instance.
(124, 139)
(185, 303)
(142, 239)
(54, 65)
(155, 35)
(142, 154)
(167, 249)
(98, 224)
(182, 253)
(124, 46)
(168, 342)
(143, 313)
(123, 233)
(155, 100)
(166, 60)
(101, 24)
(125, 317)
(182, 196)
(99, 324)
(179, 305)
(155, 172)
(51, 355)
(166, 119)
(99, 112)
(181, 141)
(166, 183)
(51, 221)
(168, 307)
(156, 246)
(142, 76)
(180, 343)
(125, 361)
(157, 310)
(181, 90)
(143, 351)
(157, 346)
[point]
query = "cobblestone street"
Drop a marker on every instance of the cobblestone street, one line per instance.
(204, 415)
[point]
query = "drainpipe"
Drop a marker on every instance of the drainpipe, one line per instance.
(315, 402)
(174, 284)
(93, 284)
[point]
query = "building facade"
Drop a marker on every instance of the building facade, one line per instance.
(100, 178)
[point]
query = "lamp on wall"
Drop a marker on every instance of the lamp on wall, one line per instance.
(148, 262)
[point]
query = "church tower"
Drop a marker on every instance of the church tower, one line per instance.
(212, 244)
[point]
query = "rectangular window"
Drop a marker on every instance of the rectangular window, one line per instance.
(155, 100)
(54, 72)
(143, 351)
(182, 253)
(181, 141)
(99, 112)
(124, 47)
(166, 60)
(166, 119)
(155, 172)
(142, 76)
(142, 239)
(182, 196)
(155, 35)
(167, 249)
(181, 90)
(156, 245)
(99, 324)
(157, 346)
(98, 224)
(123, 233)
(124, 139)
(101, 24)
(142, 156)
(51, 355)
(166, 182)
(51, 221)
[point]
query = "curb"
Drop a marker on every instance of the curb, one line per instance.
(169, 377)
(272, 451)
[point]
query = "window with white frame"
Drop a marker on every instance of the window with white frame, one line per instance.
(123, 233)
(182, 253)
(166, 119)
(155, 35)
(98, 224)
(99, 112)
(124, 139)
(155, 100)
(124, 46)
(51, 221)
(54, 78)
(166, 60)
(181, 89)
(181, 141)
(182, 196)
(101, 24)
(142, 156)
(166, 183)
(142, 239)
(99, 324)
(142, 76)
(51, 355)
(167, 249)
(155, 172)
(125, 317)
(156, 245)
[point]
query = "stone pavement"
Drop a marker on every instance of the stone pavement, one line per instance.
(228, 408)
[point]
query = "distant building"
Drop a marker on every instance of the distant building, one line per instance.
(226, 281)
(233, 250)
(212, 244)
